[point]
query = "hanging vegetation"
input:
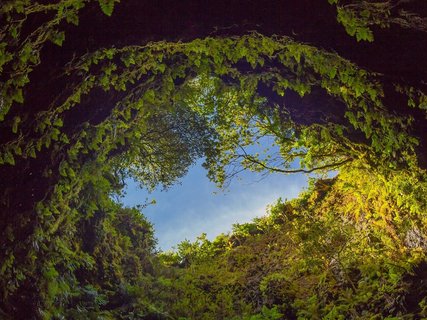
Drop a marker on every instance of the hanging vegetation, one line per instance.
(349, 247)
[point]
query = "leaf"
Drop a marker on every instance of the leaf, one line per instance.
(25, 53)
(15, 125)
(64, 138)
(63, 169)
(109, 53)
(161, 67)
(32, 152)
(332, 72)
(18, 96)
(14, 32)
(57, 37)
(150, 96)
(17, 150)
(8, 158)
(72, 17)
(58, 122)
(107, 6)
(55, 134)
(128, 59)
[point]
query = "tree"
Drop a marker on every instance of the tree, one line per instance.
(340, 250)
(120, 105)
(358, 16)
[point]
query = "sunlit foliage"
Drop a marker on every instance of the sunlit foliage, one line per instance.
(342, 250)
(347, 248)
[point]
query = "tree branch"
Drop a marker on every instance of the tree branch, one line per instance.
(275, 169)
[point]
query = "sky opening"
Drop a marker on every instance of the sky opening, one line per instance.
(195, 205)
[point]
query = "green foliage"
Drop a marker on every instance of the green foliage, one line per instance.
(339, 251)
(358, 17)
(267, 314)
(107, 6)
(20, 51)
(344, 249)
(235, 112)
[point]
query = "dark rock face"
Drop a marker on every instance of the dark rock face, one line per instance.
(396, 53)
(417, 288)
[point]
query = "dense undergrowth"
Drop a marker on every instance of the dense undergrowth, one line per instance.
(351, 247)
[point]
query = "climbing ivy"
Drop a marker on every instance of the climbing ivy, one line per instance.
(20, 50)
(358, 17)
(171, 103)
(148, 74)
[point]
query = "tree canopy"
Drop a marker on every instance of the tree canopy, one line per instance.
(94, 92)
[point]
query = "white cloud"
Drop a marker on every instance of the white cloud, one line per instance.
(189, 209)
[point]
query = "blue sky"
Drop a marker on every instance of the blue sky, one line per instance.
(196, 206)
